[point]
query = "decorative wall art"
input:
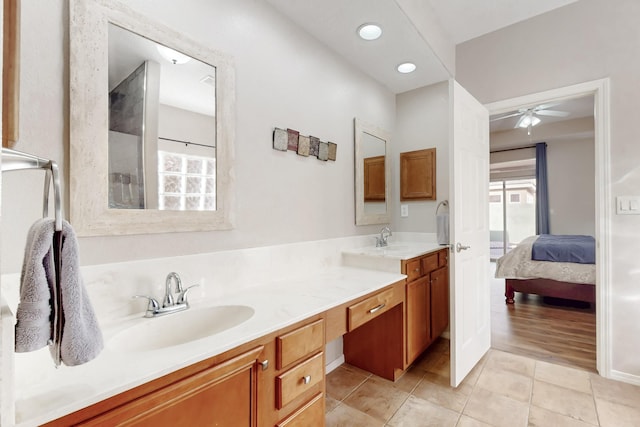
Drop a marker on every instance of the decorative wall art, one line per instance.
(333, 150)
(291, 140)
(323, 151)
(303, 145)
(280, 139)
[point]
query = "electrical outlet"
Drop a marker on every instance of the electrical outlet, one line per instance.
(404, 210)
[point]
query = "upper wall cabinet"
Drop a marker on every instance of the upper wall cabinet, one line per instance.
(418, 175)
(152, 126)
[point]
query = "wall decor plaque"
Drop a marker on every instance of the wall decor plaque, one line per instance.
(303, 145)
(292, 140)
(280, 139)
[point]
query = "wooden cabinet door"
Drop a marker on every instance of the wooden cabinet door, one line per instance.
(439, 301)
(223, 395)
(418, 317)
(374, 179)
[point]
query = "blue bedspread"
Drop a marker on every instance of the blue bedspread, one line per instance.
(559, 248)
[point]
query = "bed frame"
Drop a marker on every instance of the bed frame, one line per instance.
(550, 288)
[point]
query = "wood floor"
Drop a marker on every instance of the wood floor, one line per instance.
(532, 327)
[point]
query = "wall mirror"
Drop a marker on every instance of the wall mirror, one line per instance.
(373, 174)
(152, 126)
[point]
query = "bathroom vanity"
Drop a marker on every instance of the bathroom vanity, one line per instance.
(270, 369)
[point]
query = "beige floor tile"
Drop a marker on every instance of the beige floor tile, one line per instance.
(540, 417)
(506, 383)
(615, 391)
(377, 398)
(410, 379)
(342, 381)
(441, 345)
(416, 412)
(510, 362)
(470, 422)
(346, 416)
(495, 409)
(472, 377)
(436, 389)
(330, 404)
(563, 376)
(440, 366)
(617, 415)
(429, 359)
(564, 401)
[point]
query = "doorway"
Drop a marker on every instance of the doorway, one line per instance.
(599, 89)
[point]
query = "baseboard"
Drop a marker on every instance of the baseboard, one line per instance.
(333, 365)
(624, 377)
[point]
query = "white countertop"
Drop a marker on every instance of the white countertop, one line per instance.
(44, 393)
(387, 258)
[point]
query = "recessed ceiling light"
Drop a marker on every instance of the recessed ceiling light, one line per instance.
(407, 67)
(369, 31)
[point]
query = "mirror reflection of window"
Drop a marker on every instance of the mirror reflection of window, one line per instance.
(160, 100)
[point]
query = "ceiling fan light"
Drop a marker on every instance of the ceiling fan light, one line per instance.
(172, 56)
(528, 120)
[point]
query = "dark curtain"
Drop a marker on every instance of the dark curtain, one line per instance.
(542, 190)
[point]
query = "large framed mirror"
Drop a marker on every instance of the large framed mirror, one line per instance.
(372, 174)
(152, 126)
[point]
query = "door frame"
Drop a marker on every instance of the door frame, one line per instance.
(600, 89)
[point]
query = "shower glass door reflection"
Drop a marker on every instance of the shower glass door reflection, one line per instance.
(512, 213)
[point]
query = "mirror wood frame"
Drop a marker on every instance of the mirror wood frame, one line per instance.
(88, 127)
(363, 218)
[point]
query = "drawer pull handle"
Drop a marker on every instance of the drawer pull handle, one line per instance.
(306, 379)
(264, 364)
(374, 309)
(417, 270)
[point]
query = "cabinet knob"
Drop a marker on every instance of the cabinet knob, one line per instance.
(306, 379)
(264, 364)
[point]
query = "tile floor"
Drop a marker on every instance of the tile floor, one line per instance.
(503, 390)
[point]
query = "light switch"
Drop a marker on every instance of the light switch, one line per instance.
(404, 210)
(628, 205)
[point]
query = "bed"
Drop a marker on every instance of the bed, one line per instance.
(558, 279)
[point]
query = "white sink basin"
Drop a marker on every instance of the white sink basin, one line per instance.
(179, 328)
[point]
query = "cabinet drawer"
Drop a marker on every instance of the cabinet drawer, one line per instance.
(413, 270)
(299, 344)
(429, 263)
(372, 307)
(311, 414)
(299, 379)
(443, 257)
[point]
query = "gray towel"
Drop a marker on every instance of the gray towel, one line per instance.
(79, 340)
(33, 326)
(442, 227)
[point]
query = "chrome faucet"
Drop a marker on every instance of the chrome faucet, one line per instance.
(384, 235)
(169, 304)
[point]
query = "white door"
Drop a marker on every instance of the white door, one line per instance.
(469, 260)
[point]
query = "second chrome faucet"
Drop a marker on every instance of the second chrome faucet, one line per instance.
(169, 303)
(384, 235)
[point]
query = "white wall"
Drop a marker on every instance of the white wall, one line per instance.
(572, 197)
(584, 41)
(421, 122)
(284, 78)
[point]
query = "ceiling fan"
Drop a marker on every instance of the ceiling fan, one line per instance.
(528, 116)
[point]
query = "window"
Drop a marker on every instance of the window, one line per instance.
(514, 198)
(495, 198)
(186, 182)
